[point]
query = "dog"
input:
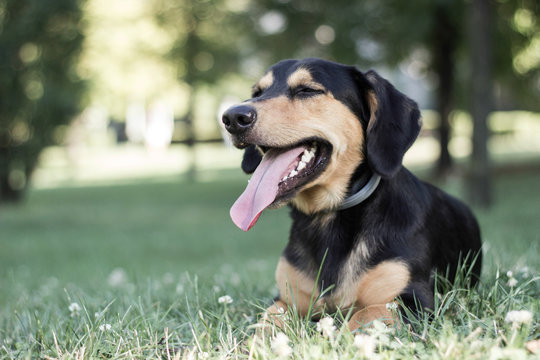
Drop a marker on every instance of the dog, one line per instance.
(329, 140)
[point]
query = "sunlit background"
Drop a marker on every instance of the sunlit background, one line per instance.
(115, 93)
(145, 78)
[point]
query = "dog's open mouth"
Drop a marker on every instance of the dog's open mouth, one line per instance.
(280, 175)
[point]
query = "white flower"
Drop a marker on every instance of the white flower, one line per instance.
(512, 282)
(365, 344)
(117, 277)
(326, 326)
(168, 278)
(105, 327)
(179, 288)
(509, 273)
(74, 309)
(519, 317)
(280, 345)
(391, 306)
(226, 299)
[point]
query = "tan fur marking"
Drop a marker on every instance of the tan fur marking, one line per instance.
(266, 81)
(302, 76)
(369, 314)
(295, 288)
(282, 122)
(373, 106)
(274, 314)
(382, 284)
(346, 294)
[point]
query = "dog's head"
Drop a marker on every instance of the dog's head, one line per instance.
(308, 126)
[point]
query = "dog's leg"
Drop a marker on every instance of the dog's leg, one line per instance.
(369, 314)
(274, 315)
(295, 289)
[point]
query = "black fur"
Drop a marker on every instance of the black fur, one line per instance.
(404, 219)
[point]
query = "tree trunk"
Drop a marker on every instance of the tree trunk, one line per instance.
(12, 190)
(479, 179)
(443, 61)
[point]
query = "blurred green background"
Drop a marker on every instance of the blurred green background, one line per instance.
(112, 163)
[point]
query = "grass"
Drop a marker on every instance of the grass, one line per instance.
(147, 265)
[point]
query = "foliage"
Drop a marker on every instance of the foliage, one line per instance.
(39, 86)
(393, 32)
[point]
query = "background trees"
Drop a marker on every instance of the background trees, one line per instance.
(182, 51)
(40, 89)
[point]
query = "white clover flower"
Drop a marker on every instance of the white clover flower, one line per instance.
(225, 299)
(391, 306)
(105, 327)
(509, 273)
(326, 326)
(517, 317)
(118, 277)
(512, 282)
(74, 309)
(179, 288)
(280, 345)
(365, 344)
(168, 278)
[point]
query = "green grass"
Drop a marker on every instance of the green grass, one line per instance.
(152, 259)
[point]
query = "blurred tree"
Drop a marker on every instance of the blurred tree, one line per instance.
(432, 37)
(429, 37)
(481, 104)
(209, 37)
(39, 88)
(123, 57)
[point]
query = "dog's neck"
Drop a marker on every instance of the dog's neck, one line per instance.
(361, 189)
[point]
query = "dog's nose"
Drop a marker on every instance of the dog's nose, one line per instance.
(239, 118)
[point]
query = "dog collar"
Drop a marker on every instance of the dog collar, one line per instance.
(361, 194)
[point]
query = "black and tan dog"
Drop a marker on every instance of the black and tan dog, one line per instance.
(329, 140)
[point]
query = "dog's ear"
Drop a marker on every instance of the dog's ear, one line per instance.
(393, 126)
(252, 159)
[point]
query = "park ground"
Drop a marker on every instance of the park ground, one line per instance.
(154, 268)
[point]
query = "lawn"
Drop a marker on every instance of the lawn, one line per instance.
(146, 270)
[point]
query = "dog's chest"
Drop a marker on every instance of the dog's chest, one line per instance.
(348, 274)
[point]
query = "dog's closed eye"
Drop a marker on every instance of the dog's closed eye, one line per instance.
(306, 91)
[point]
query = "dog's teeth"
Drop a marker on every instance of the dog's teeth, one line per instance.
(301, 165)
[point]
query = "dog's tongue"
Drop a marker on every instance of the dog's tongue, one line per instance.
(263, 186)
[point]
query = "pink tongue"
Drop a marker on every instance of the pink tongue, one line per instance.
(263, 187)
